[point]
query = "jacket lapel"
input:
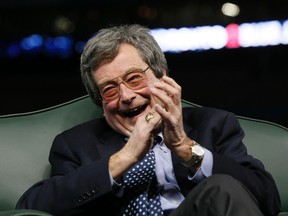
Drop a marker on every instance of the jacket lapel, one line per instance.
(110, 142)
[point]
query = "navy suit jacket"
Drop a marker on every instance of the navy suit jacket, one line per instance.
(80, 183)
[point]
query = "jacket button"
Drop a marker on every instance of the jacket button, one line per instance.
(94, 191)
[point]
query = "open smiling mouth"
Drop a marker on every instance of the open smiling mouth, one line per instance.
(135, 112)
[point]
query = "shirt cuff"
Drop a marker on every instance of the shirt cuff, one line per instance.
(115, 184)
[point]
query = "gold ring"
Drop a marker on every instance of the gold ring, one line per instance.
(149, 116)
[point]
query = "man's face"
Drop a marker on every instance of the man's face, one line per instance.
(122, 112)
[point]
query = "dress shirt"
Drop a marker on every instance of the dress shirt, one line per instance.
(170, 194)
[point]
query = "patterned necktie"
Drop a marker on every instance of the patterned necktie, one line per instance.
(141, 196)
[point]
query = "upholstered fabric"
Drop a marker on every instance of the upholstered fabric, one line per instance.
(25, 141)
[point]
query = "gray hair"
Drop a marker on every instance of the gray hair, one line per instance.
(103, 48)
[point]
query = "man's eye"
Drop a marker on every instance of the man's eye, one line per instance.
(109, 88)
(134, 78)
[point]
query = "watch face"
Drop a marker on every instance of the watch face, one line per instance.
(198, 150)
(197, 155)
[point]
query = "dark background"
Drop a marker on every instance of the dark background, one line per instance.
(247, 81)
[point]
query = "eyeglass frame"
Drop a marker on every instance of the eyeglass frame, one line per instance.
(118, 84)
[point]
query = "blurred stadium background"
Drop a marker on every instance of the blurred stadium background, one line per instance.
(232, 54)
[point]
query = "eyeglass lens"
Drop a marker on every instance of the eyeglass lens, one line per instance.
(134, 80)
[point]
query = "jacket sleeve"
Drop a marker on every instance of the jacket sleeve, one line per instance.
(77, 178)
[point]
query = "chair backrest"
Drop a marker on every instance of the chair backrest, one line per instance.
(25, 141)
(268, 142)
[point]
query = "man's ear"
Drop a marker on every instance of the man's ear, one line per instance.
(164, 72)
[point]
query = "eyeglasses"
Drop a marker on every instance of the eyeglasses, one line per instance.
(135, 80)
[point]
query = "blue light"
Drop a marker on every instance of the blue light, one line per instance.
(63, 46)
(31, 42)
(50, 48)
(62, 42)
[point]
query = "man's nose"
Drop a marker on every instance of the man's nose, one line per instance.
(125, 93)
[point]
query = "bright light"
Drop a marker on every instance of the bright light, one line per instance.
(233, 36)
(284, 38)
(260, 34)
(184, 39)
(230, 9)
(268, 33)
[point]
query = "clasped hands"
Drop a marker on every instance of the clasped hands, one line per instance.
(165, 116)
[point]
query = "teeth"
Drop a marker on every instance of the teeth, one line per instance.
(133, 110)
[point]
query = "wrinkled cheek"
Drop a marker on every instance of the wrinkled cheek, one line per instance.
(119, 124)
(109, 111)
(145, 92)
(111, 107)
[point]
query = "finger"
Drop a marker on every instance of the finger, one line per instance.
(166, 102)
(170, 88)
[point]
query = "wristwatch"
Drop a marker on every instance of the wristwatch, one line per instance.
(197, 154)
